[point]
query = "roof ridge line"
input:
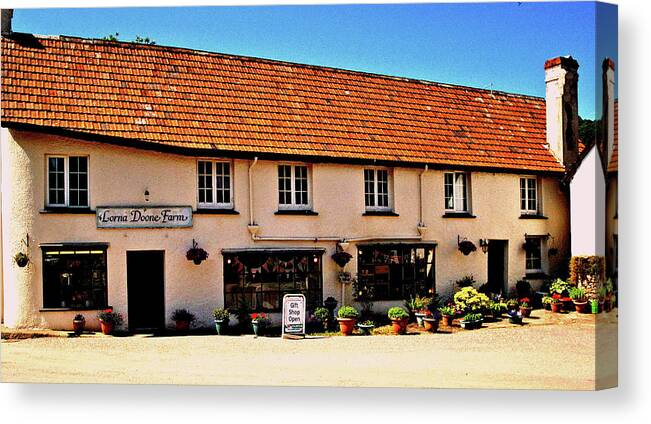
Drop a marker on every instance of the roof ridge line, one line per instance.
(283, 62)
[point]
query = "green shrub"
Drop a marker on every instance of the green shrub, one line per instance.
(321, 313)
(559, 286)
(418, 303)
(182, 315)
(497, 307)
(472, 317)
(348, 312)
(447, 310)
(397, 313)
(221, 314)
(367, 323)
(469, 299)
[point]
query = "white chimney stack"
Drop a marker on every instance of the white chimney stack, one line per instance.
(561, 79)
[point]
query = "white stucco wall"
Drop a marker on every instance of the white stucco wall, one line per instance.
(588, 207)
(119, 176)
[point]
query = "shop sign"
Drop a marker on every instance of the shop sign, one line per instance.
(293, 316)
(144, 217)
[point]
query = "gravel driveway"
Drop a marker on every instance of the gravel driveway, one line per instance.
(552, 352)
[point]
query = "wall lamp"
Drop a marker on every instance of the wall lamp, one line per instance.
(483, 243)
(146, 195)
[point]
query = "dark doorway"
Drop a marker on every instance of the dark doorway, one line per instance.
(497, 266)
(145, 289)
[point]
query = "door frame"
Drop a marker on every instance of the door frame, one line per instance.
(505, 279)
(164, 273)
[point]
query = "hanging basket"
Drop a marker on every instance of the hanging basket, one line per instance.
(196, 254)
(21, 259)
(467, 247)
(341, 258)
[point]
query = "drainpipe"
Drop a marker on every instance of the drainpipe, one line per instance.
(251, 220)
(420, 197)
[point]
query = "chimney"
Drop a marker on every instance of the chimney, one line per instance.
(608, 109)
(561, 79)
(7, 15)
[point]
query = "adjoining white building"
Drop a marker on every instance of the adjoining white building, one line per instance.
(116, 157)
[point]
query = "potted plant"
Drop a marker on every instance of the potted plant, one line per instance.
(347, 317)
(419, 307)
(222, 318)
(515, 317)
(471, 321)
(608, 298)
(525, 307)
(431, 322)
(594, 306)
(331, 304)
(108, 320)
(182, 318)
(556, 303)
(323, 315)
(448, 312)
(547, 302)
(78, 324)
(577, 295)
(399, 319)
(341, 258)
(497, 309)
(21, 259)
(366, 327)
(259, 321)
(196, 254)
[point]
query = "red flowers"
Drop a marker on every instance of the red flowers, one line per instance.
(257, 316)
(556, 296)
(525, 300)
(108, 310)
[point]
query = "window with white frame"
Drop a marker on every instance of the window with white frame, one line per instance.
(529, 202)
(377, 189)
(456, 192)
(67, 181)
(215, 184)
(533, 249)
(293, 186)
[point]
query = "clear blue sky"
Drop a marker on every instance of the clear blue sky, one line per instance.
(503, 44)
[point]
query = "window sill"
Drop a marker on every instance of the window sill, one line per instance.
(66, 210)
(216, 211)
(74, 309)
(380, 213)
(306, 212)
(532, 216)
(536, 276)
(458, 215)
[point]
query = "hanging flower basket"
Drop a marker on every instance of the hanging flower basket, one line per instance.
(467, 247)
(341, 258)
(196, 254)
(21, 259)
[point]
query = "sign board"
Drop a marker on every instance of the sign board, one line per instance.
(293, 316)
(144, 217)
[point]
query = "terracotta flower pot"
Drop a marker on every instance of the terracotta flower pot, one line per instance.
(581, 307)
(399, 326)
(557, 307)
(182, 326)
(78, 326)
(431, 324)
(525, 312)
(107, 327)
(346, 325)
(447, 320)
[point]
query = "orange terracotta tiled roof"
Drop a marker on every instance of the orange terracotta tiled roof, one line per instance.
(198, 101)
(614, 159)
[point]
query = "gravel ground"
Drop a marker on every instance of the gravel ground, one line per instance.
(552, 352)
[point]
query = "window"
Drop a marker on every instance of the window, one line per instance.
(74, 277)
(456, 192)
(533, 249)
(376, 189)
(262, 278)
(67, 181)
(215, 184)
(293, 187)
(396, 272)
(529, 195)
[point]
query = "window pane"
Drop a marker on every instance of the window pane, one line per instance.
(56, 181)
(78, 180)
(284, 185)
(460, 191)
(382, 188)
(369, 187)
(74, 279)
(449, 191)
(205, 182)
(300, 185)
